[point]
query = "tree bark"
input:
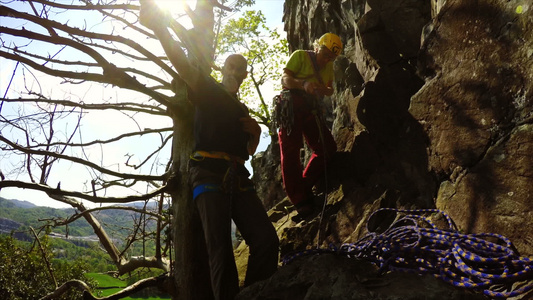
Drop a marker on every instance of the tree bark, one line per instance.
(191, 269)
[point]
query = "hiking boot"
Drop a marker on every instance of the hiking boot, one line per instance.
(305, 210)
(318, 201)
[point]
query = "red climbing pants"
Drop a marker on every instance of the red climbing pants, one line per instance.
(298, 184)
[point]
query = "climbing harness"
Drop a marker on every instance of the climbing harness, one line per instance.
(204, 188)
(483, 262)
(230, 182)
(213, 187)
(283, 114)
(201, 155)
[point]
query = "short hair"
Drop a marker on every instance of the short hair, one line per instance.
(237, 57)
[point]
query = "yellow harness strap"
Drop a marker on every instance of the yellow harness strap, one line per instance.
(200, 155)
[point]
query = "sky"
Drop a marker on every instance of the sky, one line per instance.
(95, 128)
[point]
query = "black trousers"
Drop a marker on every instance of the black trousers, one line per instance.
(217, 209)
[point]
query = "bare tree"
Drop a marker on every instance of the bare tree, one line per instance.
(100, 51)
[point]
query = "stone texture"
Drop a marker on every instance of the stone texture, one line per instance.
(267, 173)
(476, 108)
(432, 109)
(347, 278)
(495, 194)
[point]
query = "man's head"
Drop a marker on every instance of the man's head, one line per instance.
(234, 71)
(332, 42)
(328, 47)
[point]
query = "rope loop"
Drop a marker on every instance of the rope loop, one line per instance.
(483, 262)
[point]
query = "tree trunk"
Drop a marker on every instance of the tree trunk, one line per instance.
(191, 269)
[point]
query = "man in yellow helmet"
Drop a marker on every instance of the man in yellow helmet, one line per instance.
(307, 78)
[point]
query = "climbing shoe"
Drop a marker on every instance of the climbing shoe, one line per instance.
(309, 208)
(305, 210)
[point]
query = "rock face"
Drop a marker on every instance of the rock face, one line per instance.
(433, 108)
(476, 108)
(329, 276)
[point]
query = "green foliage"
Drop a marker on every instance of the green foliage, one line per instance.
(110, 285)
(107, 285)
(67, 251)
(24, 273)
(266, 53)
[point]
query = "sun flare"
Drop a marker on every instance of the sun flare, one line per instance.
(175, 6)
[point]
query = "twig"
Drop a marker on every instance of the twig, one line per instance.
(49, 267)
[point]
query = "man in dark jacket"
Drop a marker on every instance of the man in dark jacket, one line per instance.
(225, 135)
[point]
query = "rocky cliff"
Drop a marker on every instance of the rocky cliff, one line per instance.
(433, 108)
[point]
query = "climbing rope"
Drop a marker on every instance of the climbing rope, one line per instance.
(485, 262)
(325, 154)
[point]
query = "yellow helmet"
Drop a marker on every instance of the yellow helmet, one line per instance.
(332, 42)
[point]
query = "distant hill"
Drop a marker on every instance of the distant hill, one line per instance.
(118, 222)
(17, 203)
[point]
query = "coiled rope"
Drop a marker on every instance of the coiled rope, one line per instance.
(413, 243)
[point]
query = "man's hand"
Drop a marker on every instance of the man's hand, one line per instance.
(314, 88)
(250, 126)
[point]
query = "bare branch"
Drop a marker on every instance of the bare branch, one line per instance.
(132, 237)
(122, 106)
(55, 193)
(78, 284)
(6, 11)
(111, 74)
(155, 152)
(162, 82)
(76, 216)
(162, 282)
(81, 161)
(117, 138)
(88, 6)
(43, 253)
(144, 262)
